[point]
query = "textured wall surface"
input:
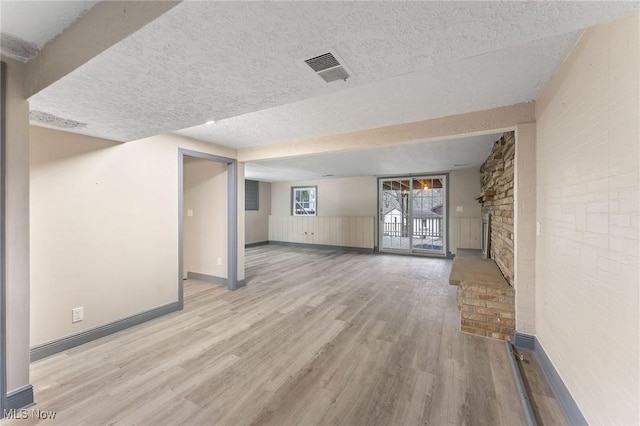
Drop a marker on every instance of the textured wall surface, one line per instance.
(588, 252)
(497, 175)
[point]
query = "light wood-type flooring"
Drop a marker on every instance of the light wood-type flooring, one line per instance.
(544, 404)
(317, 337)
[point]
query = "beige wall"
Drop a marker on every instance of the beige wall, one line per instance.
(205, 231)
(340, 197)
(524, 222)
(587, 277)
(465, 227)
(336, 197)
(17, 228)
(104, 228)
(257, 221)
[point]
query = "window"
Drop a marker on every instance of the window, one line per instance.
(304, 200)
(251, 194)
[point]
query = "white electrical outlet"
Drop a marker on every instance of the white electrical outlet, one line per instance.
(219, 261)
(77, 314)
(189, 212)
(459, 209)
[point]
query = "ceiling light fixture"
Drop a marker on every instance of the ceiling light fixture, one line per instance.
(210, 122)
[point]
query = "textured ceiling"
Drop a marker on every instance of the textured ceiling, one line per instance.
(26, 26)
(505, 77)
(241, 64)
(425, 157)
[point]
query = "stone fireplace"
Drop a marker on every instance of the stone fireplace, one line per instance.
(496, 180)
(485, 235)
(486, 297)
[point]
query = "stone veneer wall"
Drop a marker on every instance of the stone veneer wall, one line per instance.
(496, 174)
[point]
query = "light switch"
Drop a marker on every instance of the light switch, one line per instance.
(459, 209)
(189, 212)
(538, 228)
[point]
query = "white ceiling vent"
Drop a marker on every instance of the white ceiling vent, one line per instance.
(328, 67)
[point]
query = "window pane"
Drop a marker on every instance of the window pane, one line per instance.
(303, 201)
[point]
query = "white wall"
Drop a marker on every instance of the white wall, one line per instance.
(104, 227)
(17, 228)
(205, 232)
(335, 197)
(465, 227)
(257, 221)
(588, 254)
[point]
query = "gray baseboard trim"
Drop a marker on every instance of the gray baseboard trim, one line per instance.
(20, 398)
(525, 401)
(211, 279)
(260, 243)
(322, 246)
(60, 345)
(567, 403)
(525, 341)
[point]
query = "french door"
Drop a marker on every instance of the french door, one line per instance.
(412, 216)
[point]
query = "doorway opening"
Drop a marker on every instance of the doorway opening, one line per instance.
(230, 258)
(413, 214)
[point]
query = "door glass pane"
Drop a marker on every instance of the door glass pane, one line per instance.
(413, 214)
(394, 212)
(427, 214)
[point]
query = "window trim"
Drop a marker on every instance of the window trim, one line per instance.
(313, 188)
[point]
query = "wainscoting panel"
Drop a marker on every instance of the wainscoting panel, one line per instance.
(354, 231)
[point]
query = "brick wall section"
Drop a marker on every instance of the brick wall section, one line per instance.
(496, 174)
(487, 310)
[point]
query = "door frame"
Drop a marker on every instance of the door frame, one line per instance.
(380, 228)
(232, 218)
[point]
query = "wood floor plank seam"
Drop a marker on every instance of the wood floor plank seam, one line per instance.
(315, 338)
